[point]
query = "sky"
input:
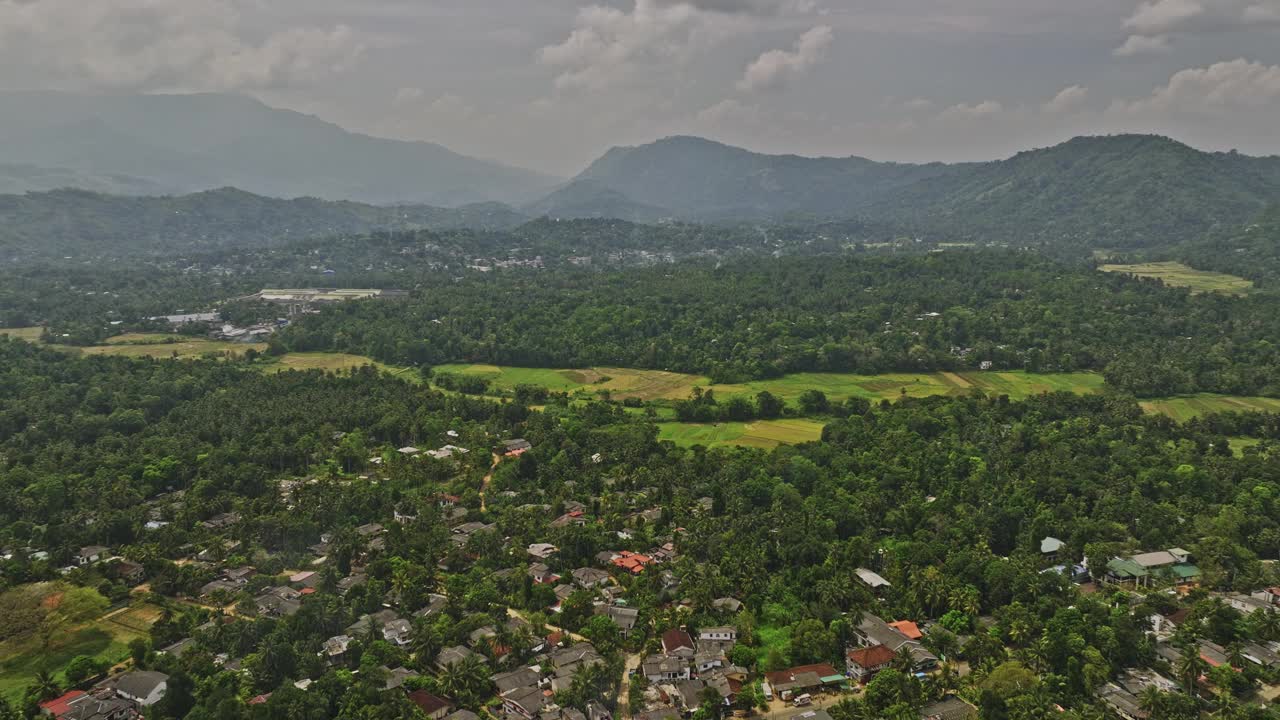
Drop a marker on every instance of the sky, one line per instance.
(552, 84)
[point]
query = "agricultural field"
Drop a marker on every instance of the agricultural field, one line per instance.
(185, 350)
(653, 385)
(760, 434)
(1190, 406)
(106, 639)
(1239, 444)
(333, 362)
(147, 338)
(1175, 274)
(30, 334)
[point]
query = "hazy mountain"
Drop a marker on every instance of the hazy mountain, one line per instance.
(586, 198)
(1120, 191)
(701, 179)
(83, 224)
(185, 143)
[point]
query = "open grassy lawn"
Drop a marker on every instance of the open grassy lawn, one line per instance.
(1239, 444)
(147, 338)
(761, 434)
(1190, 406)
(107, 639)
(30, 334)
(1176, 274)
(334, 362)
(187, 349)
(619, 382)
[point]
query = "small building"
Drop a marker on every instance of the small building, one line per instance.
(1050, 547)
(871, 579)
(144, 687)
(863, 663)
(542, 551)
(723, 633)
(433, 706)
(951, 708)
(590, 577)
(91, 554)
(660, 668)
(676, 642)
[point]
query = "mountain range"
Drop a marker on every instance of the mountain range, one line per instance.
(177, 144)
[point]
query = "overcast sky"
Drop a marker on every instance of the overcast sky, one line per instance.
(551, 84)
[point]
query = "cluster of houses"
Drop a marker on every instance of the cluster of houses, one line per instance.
(680, 675)
(123, 697)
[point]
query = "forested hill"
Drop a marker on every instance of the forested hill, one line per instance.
(1124, 191)
(1251, 250)
(82, 224)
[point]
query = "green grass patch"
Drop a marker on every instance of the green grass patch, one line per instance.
(1190, 406)
(30, 334)
(772, 637)
(147, 338)
(761, 434)
(334, 362)
(106, 639)
(1175, 274)
(1240, 443)
(185, 350)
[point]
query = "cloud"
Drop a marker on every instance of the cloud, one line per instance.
(1155, 22)
(986, 108)
(1068, 100)
(756, 7)
(773, 68)
(161, 45)
(1221, 89)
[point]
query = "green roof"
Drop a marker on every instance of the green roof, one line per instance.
(1124, 567)
(834, 679)
(1185, 571)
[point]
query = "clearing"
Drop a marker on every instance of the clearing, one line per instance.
(1175, 274)
(334, 362)
(30, 334)
(760, 434)
(1189, 406)
(106, 639)
(186, 350)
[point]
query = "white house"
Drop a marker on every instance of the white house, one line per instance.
(144, 687)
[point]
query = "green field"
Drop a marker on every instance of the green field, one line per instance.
(1240, 443)
(761, 434)
(1190, 406)
(333, 362)
(659, 385)
(30, 334)
(1175, 274)
(185, 350)
(106, 639)
(147, 338)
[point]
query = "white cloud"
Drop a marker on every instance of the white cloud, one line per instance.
(775, 67)
(1068, 100)
(160, 45)
(1222, 88)
(984, 109)
(1155, 22)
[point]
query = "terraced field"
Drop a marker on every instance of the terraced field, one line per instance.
(1175, 274)
(762, 434)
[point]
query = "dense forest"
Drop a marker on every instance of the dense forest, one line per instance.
(865, 314)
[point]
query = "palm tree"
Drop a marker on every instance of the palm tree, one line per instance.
(466, 679)
(1190, 667)
(46, 685)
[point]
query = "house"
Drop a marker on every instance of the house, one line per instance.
(804, 679)
(659, 668)
(1246, 604)
(951, 708)
(99, 707)
(909, 629)
(1050, 547)
(516, 447)
(541, 573)
(350, 581)
(526, 702)
(128, 571)
(435, 604)
(278, 602)
(240, 575)
(432, 706)
(516, 679)
(726, 605)
(689, 693)
(863, 663)
(590, 577)
(91, 554)
(481, 636)
(451, 655)
(871, 579)
(719, 634)
(1122, 702)
(677, 643)
(705, 660)
(875, 631)
(408, 451)
(576, 517)
(396, 678)
(221, 521)
(306, 578)
(542, 551)
(57, 707)
(1153, 568)
(334, 650)
(624, 617)
(634, 563)
(397, 632)
(144, 687)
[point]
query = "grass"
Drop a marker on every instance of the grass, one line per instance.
(1190, 406)
(1240, 443)
(1176, 274)
(619, 382)
(145, 338)
(185, 350)
(30, 334)
(334, 362)
(764, 434)
(106, 639)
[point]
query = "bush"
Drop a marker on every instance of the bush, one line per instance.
(83, 667)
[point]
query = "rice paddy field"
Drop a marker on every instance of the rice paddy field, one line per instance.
(334, 362)
(1190, 406)
(1175, 274)
(184, 350)
(764, 434)
(30, 334)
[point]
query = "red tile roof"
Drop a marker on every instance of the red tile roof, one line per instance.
(59, 706)
(872, 657)
(428, 702)
(674, 639)
(908, 628)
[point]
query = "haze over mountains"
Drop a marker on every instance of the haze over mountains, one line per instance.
(1125, 192)
(176, 144)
